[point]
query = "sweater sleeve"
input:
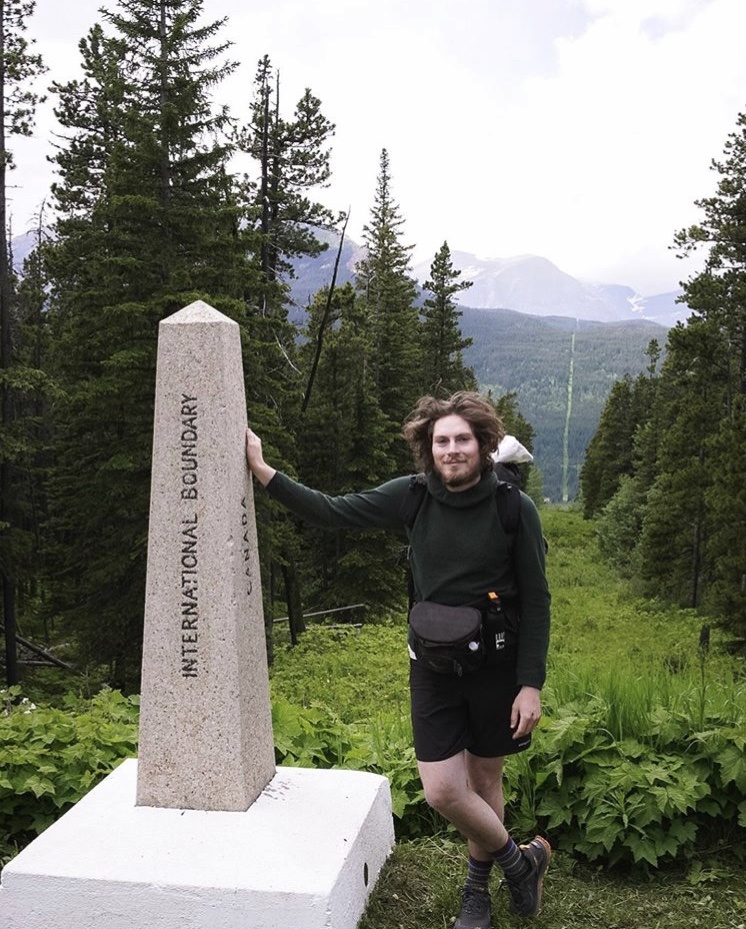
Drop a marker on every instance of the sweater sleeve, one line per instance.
(378, 508)
(534, 597)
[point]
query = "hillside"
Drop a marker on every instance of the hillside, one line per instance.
(556, 325)
(534, 352)
(529, 352)
(531, 284)
(561, 370)
(526, 283)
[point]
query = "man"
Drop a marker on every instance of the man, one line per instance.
(464, 725)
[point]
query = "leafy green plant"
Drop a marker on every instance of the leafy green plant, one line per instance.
(640, 758)
(50, 757)
(316, 737)
(623, 774)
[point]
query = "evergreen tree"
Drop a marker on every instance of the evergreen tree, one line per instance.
(726, 511)
(672, 544)
(696, 499)
(516, 424)
(383, 280)
(443, 368)
(31, 426)
(513, 420)
(648, 433)
(292, 159)
(619, 526)
(18, 67)
(689, 449)
(347, 446)
(148, 222)
(609, 454)
(717, 294)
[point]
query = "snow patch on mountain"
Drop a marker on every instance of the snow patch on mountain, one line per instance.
(532, 284)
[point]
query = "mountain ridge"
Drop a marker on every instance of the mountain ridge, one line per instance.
(526, 283)
(560, 362)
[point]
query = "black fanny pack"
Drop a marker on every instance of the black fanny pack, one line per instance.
(459, 639)
(447, 639)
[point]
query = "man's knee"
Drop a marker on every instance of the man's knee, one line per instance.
(486, 776)
(442, 795)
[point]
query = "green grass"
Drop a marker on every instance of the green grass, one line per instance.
(419, 889)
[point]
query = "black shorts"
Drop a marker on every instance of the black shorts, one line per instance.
(452, 713)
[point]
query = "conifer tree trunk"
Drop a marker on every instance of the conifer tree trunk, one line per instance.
(9, 613)
(295, 608)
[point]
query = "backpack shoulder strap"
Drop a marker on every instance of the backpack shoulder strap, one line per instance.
(410, 507)
(508, 499)
(412, 500)
(507, 471)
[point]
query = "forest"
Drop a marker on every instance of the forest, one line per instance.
(533, 356)
(146, 215)
(665, 470)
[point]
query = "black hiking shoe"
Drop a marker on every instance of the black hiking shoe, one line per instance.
(475, 908)
(525, 893)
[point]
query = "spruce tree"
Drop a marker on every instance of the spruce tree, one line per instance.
(443, 369)
(32, 426)
(688, 426)
(18, 67)
(716, 295)
(346, 443)
(725, 501)
(148, 222)
(708, 366)
(384, 282)
(290, 162)
(609, 454)
(291, 158)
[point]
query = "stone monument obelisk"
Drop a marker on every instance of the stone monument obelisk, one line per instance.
(205, 719)
(201, 831)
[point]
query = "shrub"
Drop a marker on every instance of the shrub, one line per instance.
(644, 767)
(51, 757)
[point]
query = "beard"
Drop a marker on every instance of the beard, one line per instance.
(454, 480)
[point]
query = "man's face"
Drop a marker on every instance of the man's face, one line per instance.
(456, 453)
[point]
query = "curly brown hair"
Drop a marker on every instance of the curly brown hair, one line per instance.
(486, 425)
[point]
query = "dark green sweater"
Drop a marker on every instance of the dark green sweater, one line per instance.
(459, 550)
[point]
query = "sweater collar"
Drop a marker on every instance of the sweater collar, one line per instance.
(463, 498)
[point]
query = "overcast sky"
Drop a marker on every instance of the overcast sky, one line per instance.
(579, 130)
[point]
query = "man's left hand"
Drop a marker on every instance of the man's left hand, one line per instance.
(526, 712)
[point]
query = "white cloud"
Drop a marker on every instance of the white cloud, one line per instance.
(581, 130)
(606, 157)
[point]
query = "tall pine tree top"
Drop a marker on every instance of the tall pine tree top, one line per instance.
(442, 343)
(383, 280)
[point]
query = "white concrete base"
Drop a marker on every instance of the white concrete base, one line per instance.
(305, 855)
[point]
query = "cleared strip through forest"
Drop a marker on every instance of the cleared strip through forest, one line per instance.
(566, 433)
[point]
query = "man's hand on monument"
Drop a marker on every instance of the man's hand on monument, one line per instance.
(255, 459)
